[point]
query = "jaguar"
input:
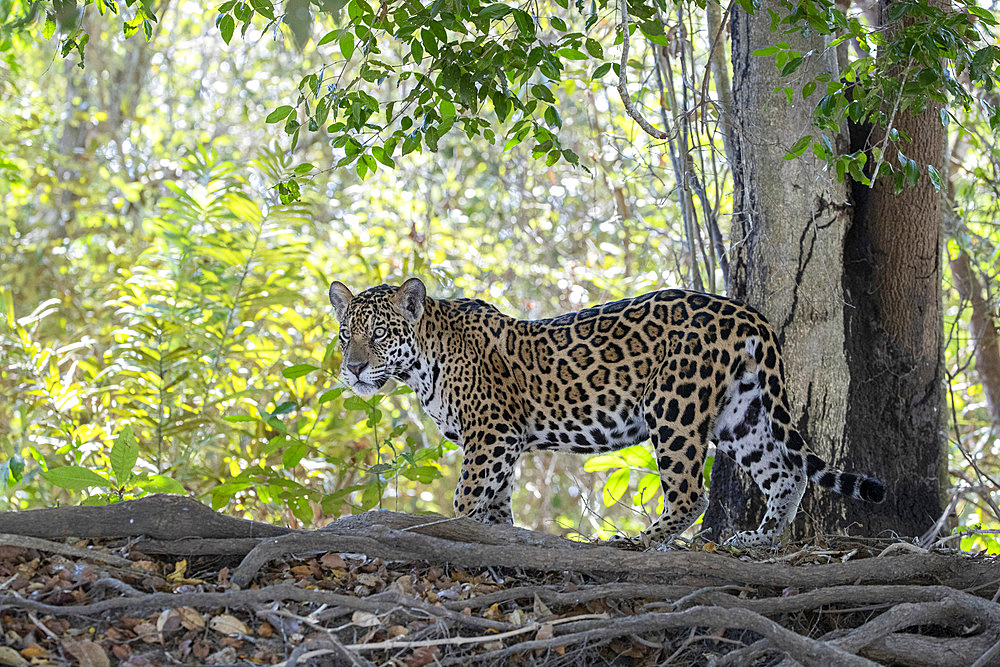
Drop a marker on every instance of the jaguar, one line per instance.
(680, 368)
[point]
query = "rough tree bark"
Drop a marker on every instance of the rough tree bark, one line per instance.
(892, 281)
(853, 293)
(790, 219)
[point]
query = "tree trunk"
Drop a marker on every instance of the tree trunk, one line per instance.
(787, 242)
(892, 281)
(983, 331)
(853, 294)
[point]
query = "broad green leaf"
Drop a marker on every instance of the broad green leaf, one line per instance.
(422, 474)
(594, 48)
(226, 26)
(356, 403)
(124, 454)
(347, 45)
(370, 497)
(572, 54)
(278, 114)
(543, 93)
(638, 456)
(799, 147)
(616, 486)
(766, 51)
(603, 462)
(291, 456)
(74, 478)
(162, 484)
(298, 370)
(494, 11)
(646, 491)
(330, 395)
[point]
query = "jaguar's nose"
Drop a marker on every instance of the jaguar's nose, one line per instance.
(357, 367)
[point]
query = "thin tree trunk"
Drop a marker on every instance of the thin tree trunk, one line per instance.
(984, 333)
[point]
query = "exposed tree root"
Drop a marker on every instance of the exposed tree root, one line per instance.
(399, 598)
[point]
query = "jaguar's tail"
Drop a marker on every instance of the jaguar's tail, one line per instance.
(850, 484)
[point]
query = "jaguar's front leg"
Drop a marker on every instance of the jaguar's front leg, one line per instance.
(485, 485)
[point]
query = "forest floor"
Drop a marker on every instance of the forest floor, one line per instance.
(164, 580)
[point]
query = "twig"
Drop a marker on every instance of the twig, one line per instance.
(622, 86)
(987, 658)
(461, 641)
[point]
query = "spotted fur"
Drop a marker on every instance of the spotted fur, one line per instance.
(674, 366)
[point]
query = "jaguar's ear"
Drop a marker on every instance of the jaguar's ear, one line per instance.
(340, 297)
(409, 299)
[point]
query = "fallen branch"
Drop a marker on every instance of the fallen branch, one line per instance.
(679, 568)
(161, 516)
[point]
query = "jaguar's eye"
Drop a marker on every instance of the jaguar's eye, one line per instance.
(345, 333)
(378, 332)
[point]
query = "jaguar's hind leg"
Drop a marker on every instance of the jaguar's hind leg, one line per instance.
(744, 432)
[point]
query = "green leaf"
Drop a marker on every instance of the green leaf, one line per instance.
(131, 26)
(124, 454)
(162, 484)
(792, 65)
(766, 51)
(327, 38)
(572, 54)
(798, 148)
(494, 11)
(291, 456)
(278, 114)
(380, 468)
(616, 486)
(601, 70)
(330, 395)
(603, 462)
(422, 474)
(524, 23)
(594, 48)
(543, 93)
(347, 45)
(226, 26)
(356, 403)
(936, 178)
(298, 370)
(74, 478)
(648, 486)
(370, 496)
(50, 26)
(638, 456)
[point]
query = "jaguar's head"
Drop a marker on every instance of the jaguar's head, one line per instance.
(377, 332)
